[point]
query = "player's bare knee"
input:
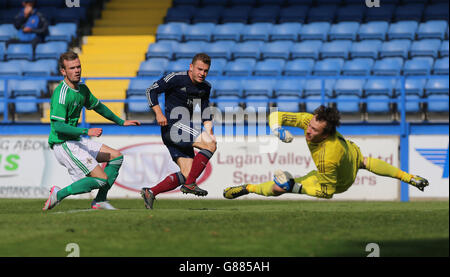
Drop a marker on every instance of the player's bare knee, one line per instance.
(211, 146)
(115, 154)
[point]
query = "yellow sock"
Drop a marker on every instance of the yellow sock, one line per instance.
(382, 168)
(265, 189)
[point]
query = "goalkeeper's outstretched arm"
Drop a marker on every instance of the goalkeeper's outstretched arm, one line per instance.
(279, 119)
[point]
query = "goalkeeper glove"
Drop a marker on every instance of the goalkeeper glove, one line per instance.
(284, 180)
(283, 135)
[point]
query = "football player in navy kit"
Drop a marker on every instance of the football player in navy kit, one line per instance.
(179, 132)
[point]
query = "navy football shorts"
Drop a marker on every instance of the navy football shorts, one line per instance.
(179, 138)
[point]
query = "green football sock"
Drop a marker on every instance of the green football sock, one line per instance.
(81, 186)
(112, 171)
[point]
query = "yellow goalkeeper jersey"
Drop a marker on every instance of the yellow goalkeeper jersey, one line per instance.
(337, 159)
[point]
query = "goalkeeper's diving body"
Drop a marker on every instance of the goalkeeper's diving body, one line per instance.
(337, 159)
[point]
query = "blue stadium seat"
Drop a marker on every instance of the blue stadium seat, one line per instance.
(365, 49)
(438, 106)
(355, 13)
(2, 50)
(188, 49)
(269, 67)
(293, 14)
(153, 67)
(240, 67)
(44, 67)
(178, 65)
(231, 90)
(11, 68)
(260, 87)
(383, 86)
(395, 48)
(257, 31)
(413, 86)
(432, 29)
(139, 106)
(388, 66)
(217, 67)
(220, 49)
(315, 30)
(315, 86)
(34, 88)
(26, 107)
(331, 66)
(288, 87)
(236, 13)
(298, 67)
(403, 30)
(348, 93)
(171, 31)
(336, 49)
(286, 31)
(199, 31)
(443, 50)
(437, 86)
(306, 49)
(182, 13)
(436, 12)
(373, 30)
(62, 32)
(290, 91)
(228, 31)
(19, 51)
(379, 89)
(276, 49)
(349, 87)
(441, 66)
(228, 87)
(409, 11)
(418, 66)
(344, 30)
(161, 49)
(210, 14)
(358, 66)
(248, 49)
(383, 13)
(323, 13)
(264, 13)
(138, 86)
(258, 93)
(50, 50)
(425, 47)
(7, 31)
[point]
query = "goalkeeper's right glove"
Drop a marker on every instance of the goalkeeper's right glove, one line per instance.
(283, 135)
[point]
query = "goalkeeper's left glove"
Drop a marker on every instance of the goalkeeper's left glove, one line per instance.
(283, 135)
(284, 180)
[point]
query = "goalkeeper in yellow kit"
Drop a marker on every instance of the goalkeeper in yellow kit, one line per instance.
(337, 159)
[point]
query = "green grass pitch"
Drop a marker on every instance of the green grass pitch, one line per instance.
(224, 228)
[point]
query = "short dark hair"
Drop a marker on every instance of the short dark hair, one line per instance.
(202, 57)
(67, 56)
(331, 115)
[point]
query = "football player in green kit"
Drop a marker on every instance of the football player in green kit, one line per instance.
(80, 155)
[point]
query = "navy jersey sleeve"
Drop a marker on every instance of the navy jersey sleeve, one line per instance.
(162, 85)
(205, 104)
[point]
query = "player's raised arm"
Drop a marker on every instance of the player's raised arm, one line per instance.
(279, 119)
